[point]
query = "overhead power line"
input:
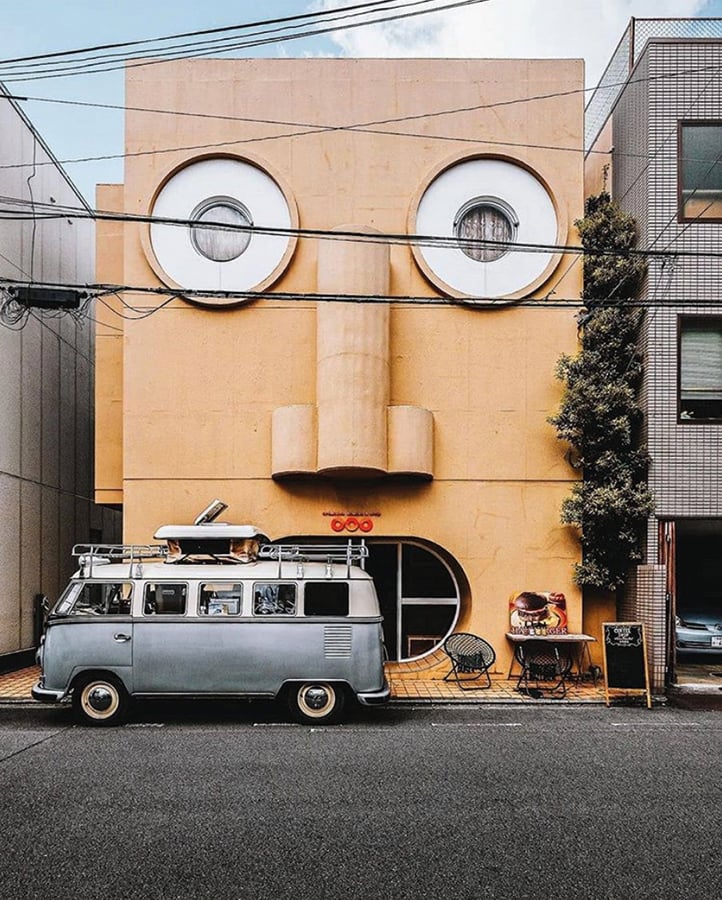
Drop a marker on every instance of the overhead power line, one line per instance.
(306, 129)
(36, 211)
(186, 34)
(371, 127)
(338, 23)
(102, 291)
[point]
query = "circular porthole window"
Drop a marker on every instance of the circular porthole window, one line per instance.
(485, 227)
(485, 224)
(219, 228)
(232, 230)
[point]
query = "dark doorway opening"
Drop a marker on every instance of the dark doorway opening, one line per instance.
(418, 593)
(698, 606)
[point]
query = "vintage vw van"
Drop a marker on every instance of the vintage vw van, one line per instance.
(215, 612)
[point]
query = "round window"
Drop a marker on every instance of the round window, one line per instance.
(485, 228)
(498, 226)
(211, 239)
(239, 233)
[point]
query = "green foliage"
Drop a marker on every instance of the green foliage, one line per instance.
(599, 414)
(608, 235)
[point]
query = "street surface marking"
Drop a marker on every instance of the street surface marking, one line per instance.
(476, 724)
(275, 725)
(660, 724)
(345, 729)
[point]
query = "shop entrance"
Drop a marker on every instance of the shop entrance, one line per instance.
(697, 601)
(419, 596)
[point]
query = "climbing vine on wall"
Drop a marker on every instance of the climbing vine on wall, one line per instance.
(600, 416)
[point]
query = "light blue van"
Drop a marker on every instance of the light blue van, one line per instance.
(215, 613)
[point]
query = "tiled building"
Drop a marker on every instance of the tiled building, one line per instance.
(657, 119)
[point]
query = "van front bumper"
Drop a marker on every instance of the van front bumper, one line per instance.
(375, 698)
(44, 695)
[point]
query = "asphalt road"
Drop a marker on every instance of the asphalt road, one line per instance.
(229, 801)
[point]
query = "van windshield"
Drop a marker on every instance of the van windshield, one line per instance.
(65, 603)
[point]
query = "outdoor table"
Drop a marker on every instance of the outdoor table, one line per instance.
(580, 642)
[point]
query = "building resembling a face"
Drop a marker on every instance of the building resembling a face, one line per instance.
(358, 330)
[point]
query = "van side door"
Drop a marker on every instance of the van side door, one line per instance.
(94, 629)
(163, 640)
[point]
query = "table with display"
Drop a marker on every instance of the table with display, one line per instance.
(578, 642)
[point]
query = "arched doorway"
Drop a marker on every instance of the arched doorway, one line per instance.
(419, 595)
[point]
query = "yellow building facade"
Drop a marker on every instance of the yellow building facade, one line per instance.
(368, 349)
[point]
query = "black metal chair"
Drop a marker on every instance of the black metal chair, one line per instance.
(469, 654)
(544, 667)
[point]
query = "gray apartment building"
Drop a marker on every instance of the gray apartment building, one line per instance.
(655, 126)
(46, 386)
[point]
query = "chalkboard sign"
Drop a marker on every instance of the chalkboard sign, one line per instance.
(625, 659)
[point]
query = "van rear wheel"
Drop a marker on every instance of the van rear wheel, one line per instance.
(100, 700)
(316, 702)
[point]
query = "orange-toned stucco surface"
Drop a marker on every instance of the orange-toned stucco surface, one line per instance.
(186, 396)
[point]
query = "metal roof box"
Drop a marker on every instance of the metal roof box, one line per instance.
(239, 542)
(212, 531)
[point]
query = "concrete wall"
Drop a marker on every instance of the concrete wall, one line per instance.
(46, 392)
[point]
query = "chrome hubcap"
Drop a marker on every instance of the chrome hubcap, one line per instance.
(100, 698)
(317, 697)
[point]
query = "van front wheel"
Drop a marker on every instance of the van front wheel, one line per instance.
(316, 702)
(99, 700)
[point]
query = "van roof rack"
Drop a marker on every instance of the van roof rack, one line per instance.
(117, 552)
(90, 555)
(307, 552)
(349, 553)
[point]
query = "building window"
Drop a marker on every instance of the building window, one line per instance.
(238, 232)
(700, 171)
(700, 369)
(485, 219)
(218, 243)
(492, 215)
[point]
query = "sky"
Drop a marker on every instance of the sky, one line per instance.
(588, 29)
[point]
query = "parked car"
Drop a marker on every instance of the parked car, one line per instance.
(215, 614)
(699, 630)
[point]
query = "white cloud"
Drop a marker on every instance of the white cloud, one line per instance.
(511, 28)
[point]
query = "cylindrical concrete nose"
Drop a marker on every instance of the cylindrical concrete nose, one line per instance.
(352, 381)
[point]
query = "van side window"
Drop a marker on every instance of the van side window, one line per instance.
(274, 599)
(220, 599)
(326, 598)
(103, 599)
(165, 599)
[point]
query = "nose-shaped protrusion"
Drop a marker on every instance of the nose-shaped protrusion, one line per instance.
(352, 352)
(353, 432)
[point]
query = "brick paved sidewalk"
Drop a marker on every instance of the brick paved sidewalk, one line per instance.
(16, 686)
